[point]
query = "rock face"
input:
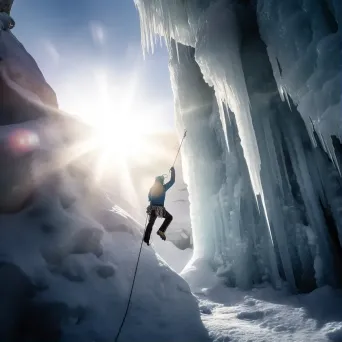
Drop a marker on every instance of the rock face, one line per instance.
(25, 96)
(6, 5)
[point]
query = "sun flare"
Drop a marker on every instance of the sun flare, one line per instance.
(121, 124)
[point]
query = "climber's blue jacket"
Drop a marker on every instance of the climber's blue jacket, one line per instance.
(156, 195)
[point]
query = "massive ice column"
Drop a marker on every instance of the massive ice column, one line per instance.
(256, 84)
(219, 184)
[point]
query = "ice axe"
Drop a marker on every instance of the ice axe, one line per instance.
(180, 146)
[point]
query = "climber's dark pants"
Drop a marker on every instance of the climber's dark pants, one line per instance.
(168, 219)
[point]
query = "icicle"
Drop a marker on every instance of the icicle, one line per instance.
(310, 63)
(228, 150)
(163, 18)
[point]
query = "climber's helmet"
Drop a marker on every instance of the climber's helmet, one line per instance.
(160, 179)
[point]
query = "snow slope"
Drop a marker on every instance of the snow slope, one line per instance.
(81, 258)
(67, 253)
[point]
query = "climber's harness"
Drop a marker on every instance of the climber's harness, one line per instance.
(158, 210)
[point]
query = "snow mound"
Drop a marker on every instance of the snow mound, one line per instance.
(85, 266)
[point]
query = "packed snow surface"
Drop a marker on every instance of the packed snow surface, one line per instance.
(265, 314)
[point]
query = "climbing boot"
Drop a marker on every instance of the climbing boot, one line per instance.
(161, 234)
(147, 242)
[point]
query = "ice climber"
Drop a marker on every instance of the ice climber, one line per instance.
(156, 196)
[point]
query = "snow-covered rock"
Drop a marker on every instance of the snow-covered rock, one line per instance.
(67, 253)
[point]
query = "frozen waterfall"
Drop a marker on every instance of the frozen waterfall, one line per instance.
(257, 84)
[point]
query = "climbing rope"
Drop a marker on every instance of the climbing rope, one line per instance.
(136, 267)
(130, 295)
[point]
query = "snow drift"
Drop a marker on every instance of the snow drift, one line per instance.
(67, 254)
(257, 86)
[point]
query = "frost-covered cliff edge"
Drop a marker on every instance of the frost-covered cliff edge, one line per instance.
(257, 84)
(67, 254)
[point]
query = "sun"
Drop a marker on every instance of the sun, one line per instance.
(122, 124)
(122, 136)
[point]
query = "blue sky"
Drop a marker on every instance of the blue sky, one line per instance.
(73, 40)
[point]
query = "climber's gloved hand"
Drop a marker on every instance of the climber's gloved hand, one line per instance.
(172, 169)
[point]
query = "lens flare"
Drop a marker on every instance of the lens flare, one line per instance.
(23, 141)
